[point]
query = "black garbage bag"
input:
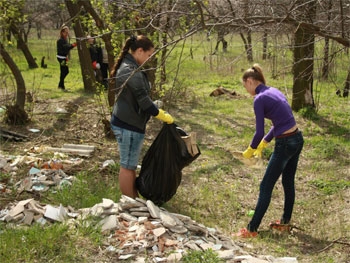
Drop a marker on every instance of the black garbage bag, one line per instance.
(161, 170)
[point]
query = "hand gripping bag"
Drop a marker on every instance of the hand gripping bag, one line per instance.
(161, 170)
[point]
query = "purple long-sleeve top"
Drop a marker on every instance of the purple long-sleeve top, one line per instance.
(270, 103)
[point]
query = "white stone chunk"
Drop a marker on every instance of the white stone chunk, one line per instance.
(109, 223)
(133, 228)
(206, 246)
(153, 209)
(286, 260)
(107, 203)
(174, 257)
(123, 257)
(128, 217)
(96, 210)
(56, 214)
(183, 218)
(226, 254)
(159, 259)
(19, 208)
(142, 219)
(179, 229)
(159, 231)
(167, 219)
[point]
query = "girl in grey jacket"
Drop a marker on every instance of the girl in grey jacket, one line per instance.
(133, 108)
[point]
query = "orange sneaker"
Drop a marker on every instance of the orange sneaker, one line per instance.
(245, 233)
(280, 227)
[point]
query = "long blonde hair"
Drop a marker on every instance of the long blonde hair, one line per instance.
(63, 28)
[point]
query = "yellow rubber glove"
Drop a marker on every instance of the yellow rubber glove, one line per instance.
(249, 152)
(262, 145)
(164, 116)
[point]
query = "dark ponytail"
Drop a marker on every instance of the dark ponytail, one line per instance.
(132, 43)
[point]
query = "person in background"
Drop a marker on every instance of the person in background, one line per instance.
(271, 104)
(105, 67)
(133, 108)
(96, 57)
(63, 48)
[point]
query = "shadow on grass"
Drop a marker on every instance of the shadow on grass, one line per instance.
(330, 127)
(305, 243)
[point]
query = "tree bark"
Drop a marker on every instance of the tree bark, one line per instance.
(303, 65)
(264, 55)
(347, 86)
(83, 52)
(303, 70)
(23, 46)
(108, 45)
(325, 66)
(21, 88)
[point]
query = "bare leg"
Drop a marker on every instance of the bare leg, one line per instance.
(127, 182)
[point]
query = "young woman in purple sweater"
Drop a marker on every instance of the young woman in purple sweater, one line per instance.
(270, 103)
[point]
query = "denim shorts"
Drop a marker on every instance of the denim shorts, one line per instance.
(129, 145)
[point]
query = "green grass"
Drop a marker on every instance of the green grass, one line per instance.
(216, 190)
(40, 244)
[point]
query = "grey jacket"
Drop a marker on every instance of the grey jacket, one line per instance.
(134, 99)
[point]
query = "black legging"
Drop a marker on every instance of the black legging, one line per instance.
(63, 72)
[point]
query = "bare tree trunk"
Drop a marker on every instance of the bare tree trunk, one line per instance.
(164, 52)
(21, 88)
(248, 45)
(347, 86)
(23, 46)
(248, 41)
(38, 29)
(84, 54)
(108, 45)
(303, 70)
(325, 66)
(264, 56)
(303, 65)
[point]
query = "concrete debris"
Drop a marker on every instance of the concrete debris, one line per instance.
(40, 180)
(41, 175)
(140, 230)
(74, 149)
(158, 234)
(29, 211)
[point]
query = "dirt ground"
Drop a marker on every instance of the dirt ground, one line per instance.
(75, 121)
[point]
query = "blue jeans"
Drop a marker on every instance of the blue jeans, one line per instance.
(129, 144)
(284, 160)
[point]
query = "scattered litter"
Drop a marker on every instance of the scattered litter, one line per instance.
(60, 110)
(40, 180)
(108, 163)
(34, 130)
(34, 170)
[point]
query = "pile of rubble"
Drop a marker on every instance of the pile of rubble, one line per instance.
(138, 230)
